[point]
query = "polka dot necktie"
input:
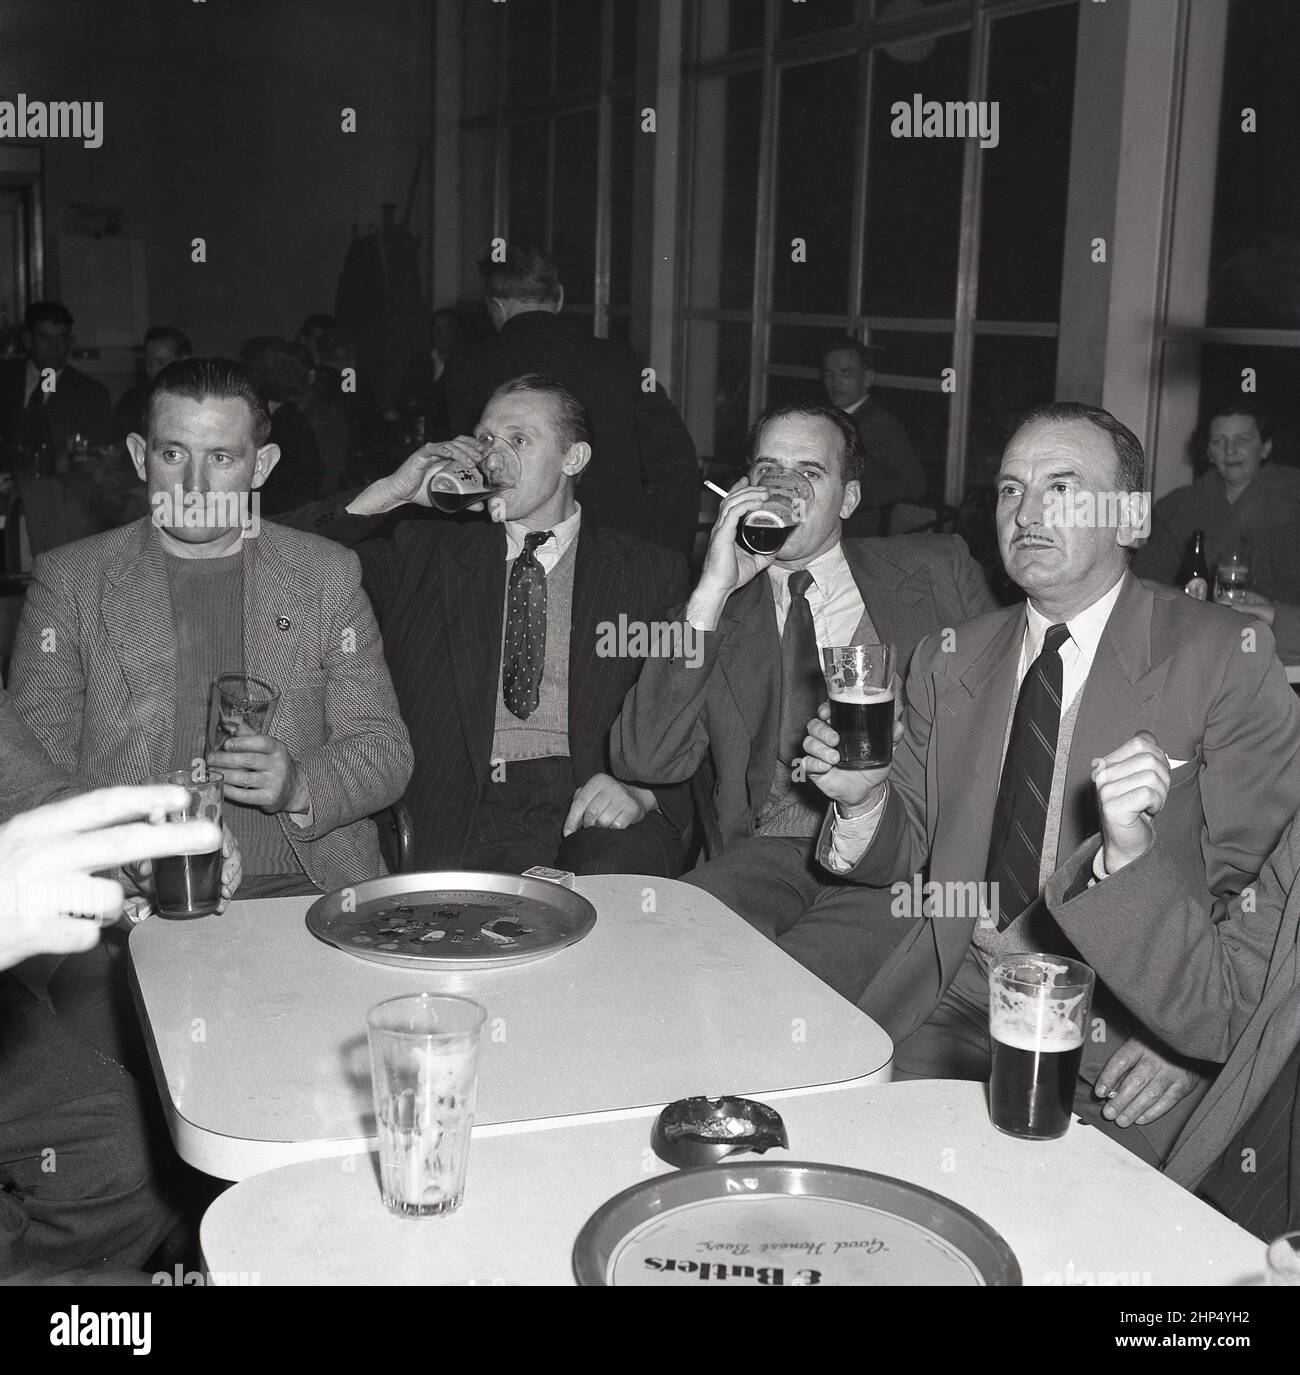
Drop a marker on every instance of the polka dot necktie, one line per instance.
(525, 649)
(1020, 817)
(802, 687)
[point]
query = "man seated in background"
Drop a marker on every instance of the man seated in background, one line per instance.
(1217, 980)
(991, 780)
(283, 372)
(505, 641)
(760, 623)
(62, 1101)
(163, 345)
(891, 469)
(45, 402)
(646, 480)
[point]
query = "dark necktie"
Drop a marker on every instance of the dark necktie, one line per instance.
(801, 676)
(34, 432)
(1020, 818)
(525, 650)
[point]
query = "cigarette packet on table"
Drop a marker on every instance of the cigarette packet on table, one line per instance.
(561, 876)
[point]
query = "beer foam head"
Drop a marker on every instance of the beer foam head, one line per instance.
(1046, 1012)
(861, 696)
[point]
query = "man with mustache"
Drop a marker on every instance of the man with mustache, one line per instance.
(992, 777)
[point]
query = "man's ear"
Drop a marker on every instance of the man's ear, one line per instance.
(1134, 524)
(267, 457)
(138, 449)
(1266, 451)
(576, 459)
(497, 311)
(852, 495)
(559, 300)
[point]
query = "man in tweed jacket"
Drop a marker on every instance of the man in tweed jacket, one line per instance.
(123, 633)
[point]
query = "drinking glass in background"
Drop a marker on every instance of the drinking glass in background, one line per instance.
(188, 886)
(862, 685)
(498, 469)
(424, 1053)
(766, 529)
(1283, 1257)
(1232, 577)
(239, 705)
(1038, 1015)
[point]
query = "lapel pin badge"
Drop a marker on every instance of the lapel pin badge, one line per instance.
(282, 622)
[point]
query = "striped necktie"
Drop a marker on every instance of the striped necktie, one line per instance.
(1020, 818)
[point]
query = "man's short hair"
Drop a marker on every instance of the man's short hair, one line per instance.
(850, 455)
(850, 346)
(528, 274)
(177, 338)
(573, 420)
(1263, 420)
(221, 379)
(47, 313)
(1130, 460)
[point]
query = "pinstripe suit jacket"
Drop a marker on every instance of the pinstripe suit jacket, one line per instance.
(94, 676)
(439, 589)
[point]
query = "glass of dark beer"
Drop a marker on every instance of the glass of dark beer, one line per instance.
(187, 886)
(765, 530)
(461, 485)
(862, 685)
(1038, 1016)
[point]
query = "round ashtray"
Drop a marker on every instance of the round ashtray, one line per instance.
(701, 1131)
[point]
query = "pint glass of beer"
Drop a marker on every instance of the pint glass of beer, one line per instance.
(187, 886)
(461, 485)
(1038, 1015)
(790, 494)
(861, 683)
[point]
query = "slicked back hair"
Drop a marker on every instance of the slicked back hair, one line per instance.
(47, 312)
(219, 378)
(528, 274)
(850, 455)
(1130, 460)
(572, 419)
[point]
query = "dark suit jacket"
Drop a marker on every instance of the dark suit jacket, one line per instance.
(643, 478)
(28, 776)
(891, 470)
(439, 588)
(77, 405)
(729, 707)
(1217, 980)
(94, 676)
(1178, 668)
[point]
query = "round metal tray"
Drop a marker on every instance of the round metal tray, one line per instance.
(396, 919)
(779, 1224)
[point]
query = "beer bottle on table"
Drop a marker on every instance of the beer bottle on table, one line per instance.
(1194, 577)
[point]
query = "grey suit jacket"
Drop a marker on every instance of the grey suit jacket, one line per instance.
(94, 676)
(1210, 694)
(729, 706)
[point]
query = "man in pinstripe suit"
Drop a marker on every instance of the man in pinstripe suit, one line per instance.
(498, 636)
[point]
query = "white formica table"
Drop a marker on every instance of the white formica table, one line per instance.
(259, 1041)
(1078, 1211)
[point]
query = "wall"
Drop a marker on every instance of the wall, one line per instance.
(222, 121)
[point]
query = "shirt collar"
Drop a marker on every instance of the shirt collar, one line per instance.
(565, 533)
(826, 570)
(1085, 627)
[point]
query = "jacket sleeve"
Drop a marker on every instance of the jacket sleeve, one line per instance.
(973, 593)
(28, 777)
(1198, 971)
(365, 762)
(46, 681)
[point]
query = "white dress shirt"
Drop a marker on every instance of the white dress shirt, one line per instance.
(833, 597)
(550, 553)
(850, 836)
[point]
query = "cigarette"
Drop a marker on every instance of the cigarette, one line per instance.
(713, 487)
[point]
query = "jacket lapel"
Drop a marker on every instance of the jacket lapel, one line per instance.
(750, 660)
(137, 612)
(897, 600)
(599, 593)
(473, 581)
(276, 591)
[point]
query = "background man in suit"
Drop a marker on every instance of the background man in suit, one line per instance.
(991, 779)
(498, 637)
(646, 482)
(891, 469)
(44, 400)
(762, 622)
(1219, 982)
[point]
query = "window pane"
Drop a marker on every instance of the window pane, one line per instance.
(625, 21)
(914, 186)
(1277, 380)
(803, 391)
(814, 185)
(897, 9)
(812, 16)
(484, 29)
(717, 388)
(529, 178)
(726, 26)
(574, 205)
(1254, 279)
(803, 345)
(1010, 374)
(1026, 176)
(623, 151)
(478, 160)
(577, 58)
(911, 355)
(724, 203)
(530, 50)
(924, 415)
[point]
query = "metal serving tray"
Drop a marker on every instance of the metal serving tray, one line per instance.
(451, 920)
(779, 1224)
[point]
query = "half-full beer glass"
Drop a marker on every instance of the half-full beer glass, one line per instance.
(861, 682)
(187, 886)
(790, 494)
(1038, 1016)
(462, 485)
